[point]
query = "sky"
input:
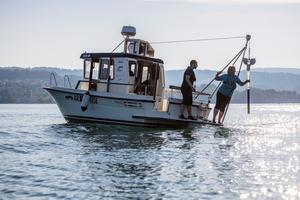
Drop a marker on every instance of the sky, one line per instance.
(53, 33)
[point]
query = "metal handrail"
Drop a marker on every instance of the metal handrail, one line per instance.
(66, 77)
(54, 78)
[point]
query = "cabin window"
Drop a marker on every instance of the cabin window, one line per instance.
(132, 68)
(106, 69)
(103, 73)
(87, 69)
(131, 47)
(145, 74)
(142, 48)
(111, 71)
(95, 69)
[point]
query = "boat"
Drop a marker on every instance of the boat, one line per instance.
(127, 88)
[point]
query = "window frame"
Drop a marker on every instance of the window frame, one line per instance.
(110, 63)
(84, 68)
(130, 62)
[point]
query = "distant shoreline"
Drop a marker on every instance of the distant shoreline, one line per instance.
(269, 86)
(211, 103)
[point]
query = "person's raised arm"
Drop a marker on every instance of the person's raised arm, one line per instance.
(246, 81)
(217, 77)
(242, 83)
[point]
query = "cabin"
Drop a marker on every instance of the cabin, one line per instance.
(134, 71)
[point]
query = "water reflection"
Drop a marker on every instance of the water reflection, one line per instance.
(222, 132)
(126, 156)
(252, 157)
(110, 136)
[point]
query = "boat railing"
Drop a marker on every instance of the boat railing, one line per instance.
(54, 82)
(174, 92)
(67, 80)
(52, 79)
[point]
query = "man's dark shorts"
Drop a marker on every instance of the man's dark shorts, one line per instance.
(222, 102)
(187, 96)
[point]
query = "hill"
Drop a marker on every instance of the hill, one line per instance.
(278, 81)
(24, 85)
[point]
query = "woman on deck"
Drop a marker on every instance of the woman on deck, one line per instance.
(225, 91)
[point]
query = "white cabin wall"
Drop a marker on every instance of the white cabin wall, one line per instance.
(119, 76)
(121, 79)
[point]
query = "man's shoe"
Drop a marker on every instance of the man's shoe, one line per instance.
(182, 117)
(191, 118)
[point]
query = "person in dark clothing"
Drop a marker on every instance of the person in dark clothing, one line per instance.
(225, 91)
(187, 90)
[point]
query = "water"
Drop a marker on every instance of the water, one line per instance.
(252, 157)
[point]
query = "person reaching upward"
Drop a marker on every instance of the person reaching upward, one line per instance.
(225, 91)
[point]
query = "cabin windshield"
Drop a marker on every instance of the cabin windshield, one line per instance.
(91, 68)
(87, 69)
(106, 69)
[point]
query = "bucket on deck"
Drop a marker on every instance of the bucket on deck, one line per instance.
(203, 111)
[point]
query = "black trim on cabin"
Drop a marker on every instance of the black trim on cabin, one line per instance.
(113, 55)
(104, 97)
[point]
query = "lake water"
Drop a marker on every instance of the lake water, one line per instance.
(253, 156)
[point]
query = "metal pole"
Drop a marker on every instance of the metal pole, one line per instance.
(248, 78)
(248, 37)
(248, 89)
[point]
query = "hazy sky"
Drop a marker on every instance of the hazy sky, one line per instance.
(55, 32)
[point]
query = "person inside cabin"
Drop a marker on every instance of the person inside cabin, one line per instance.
(187, 90)
(225, 91)
(147, 87)
(151, 81)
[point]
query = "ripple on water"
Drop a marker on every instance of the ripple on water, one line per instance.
(252, 157)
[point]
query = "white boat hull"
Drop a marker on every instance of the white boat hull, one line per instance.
(118, 109)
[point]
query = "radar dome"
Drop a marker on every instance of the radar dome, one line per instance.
(128, 31)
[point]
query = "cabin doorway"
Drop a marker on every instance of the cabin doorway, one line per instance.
(105, 74)
(146, 78)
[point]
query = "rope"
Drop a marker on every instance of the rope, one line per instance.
(215, 90)
(197, 40)
(118, 46)
(224, 69)
(234, 58)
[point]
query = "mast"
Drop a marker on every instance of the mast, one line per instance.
(248, 62)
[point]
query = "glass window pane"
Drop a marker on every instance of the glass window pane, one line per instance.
(95, 70)
(111, 71)
(104, 69)
(132, 67)
(87, 69)
(145, 73)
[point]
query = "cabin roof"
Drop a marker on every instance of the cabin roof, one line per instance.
(114, 55)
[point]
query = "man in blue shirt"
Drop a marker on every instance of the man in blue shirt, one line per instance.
(225, 91)
(187, 90)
